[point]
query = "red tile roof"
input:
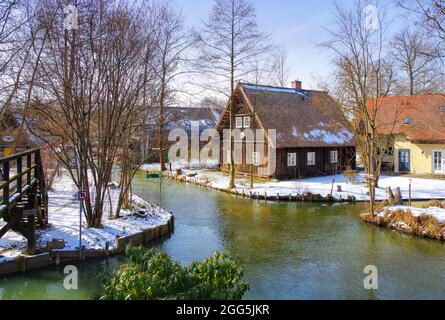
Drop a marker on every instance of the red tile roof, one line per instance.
(421, 118)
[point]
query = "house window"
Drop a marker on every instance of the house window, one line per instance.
(389, 152)
(334, 156)
(239, 122)
(228, 156)
(408, 120)
(256, 158)
(291, 159)
(439, 161)
(246, 122)
(311, 158)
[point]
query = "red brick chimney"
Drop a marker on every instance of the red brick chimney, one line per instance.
(297, 85)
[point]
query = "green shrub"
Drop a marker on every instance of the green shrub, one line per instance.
(155, 276)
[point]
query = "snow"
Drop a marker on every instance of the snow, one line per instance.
(328, 136)
(193, 164)
(422, 189)
(435, 212)
(64, 222)
(277, 90)
(340, 137)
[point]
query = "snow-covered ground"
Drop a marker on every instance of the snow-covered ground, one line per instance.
(422, 189)
(210, 164)
(435, 212)
(64, 222)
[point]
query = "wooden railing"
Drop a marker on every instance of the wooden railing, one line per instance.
(24, 199)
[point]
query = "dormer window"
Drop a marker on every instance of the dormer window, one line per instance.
(246, 122)
(408, 120)
(239, 122)
(442, 109)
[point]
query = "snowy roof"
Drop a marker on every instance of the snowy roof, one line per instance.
(183, 117)
(302, 118)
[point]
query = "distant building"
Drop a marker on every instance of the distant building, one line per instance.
(310, 137)
(179, 118)
(417, 124)
(10, 134)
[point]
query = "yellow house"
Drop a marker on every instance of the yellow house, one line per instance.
(417, 124)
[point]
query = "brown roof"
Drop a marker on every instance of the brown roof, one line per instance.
(302, 118)
(421, 118)
(182, 117)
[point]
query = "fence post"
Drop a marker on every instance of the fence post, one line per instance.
(31, 230)
(410, 192)
(6, 187)
(19, 174)
(28, 167)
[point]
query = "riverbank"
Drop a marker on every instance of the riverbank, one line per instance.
(311, 189)
(59, 241)
(426, 222)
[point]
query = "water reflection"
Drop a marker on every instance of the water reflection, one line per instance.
(289, 250)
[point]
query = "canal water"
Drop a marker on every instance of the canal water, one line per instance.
(288, 250)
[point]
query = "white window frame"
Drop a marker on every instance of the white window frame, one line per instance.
(256, 158)
(229, 152)
(334, 156)
(246, 122)
(311, 158)
(442, 161)
(239, 122)
(292, 159)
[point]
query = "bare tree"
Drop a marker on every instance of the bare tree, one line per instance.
(89, 91)
(15, 16)
(363, 78)
(431, 13)
(231, 45)
(173, 40)
(418, 58)
(280, 67)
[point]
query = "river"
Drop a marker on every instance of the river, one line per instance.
(288, 250)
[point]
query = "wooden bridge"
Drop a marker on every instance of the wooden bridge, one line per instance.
(24, 198)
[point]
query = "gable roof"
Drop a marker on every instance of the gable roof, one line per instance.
(302, 118)
(182, 117)
(424, 116)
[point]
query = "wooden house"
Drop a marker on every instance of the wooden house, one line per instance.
(310, 138)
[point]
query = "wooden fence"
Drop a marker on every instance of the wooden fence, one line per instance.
(24, 198)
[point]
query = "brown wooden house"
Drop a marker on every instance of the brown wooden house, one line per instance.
(310, 139)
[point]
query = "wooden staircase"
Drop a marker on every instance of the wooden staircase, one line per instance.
(24, 197)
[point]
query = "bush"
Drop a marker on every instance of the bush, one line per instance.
(155, 276)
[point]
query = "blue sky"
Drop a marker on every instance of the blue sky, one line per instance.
(299, 24)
